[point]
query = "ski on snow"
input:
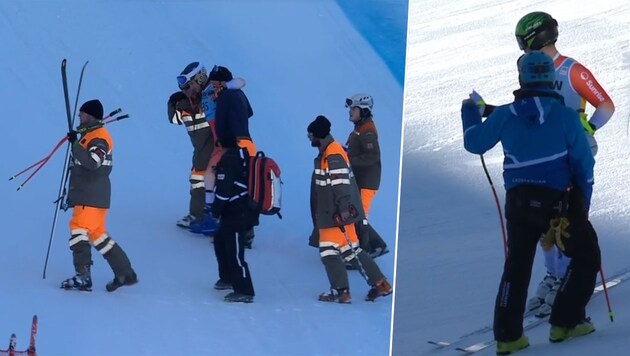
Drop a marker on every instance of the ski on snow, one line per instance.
(530, 322)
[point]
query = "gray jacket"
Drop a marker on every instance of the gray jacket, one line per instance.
(198, 127)
(365, 154)
(333, 187)
(90, 168)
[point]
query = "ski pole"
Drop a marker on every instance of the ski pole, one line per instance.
(45, 160)
(339, 222)
(496, 199)
(610, 312)
(70, 117)
(59, 144)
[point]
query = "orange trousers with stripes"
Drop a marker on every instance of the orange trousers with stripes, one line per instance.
(334, 235)
(89, 219)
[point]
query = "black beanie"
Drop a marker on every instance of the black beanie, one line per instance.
(220, 74)
(94, 108)
(320, 127)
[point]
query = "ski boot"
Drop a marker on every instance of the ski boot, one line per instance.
(380, 289)
(545, 308)
(336, 295)
(81, 281)
(207, 225)
(544, 287)
(185, 221)
(124, 280)
(508, 347)
(559, 333)
(236, 297)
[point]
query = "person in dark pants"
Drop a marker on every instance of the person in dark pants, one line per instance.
(232, 207)
(233, 112)
(548, 177)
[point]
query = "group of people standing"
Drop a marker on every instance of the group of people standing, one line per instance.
(549, 147)
(215, 112)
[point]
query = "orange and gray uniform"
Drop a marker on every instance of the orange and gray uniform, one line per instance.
(334, 190)
(365, 158)
(89, 194)
(202, 139)
(364, 153)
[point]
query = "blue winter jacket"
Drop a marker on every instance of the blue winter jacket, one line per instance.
(543, 141)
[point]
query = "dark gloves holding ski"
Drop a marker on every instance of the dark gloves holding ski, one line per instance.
(558, 230)
(72, 136)
(343, 216)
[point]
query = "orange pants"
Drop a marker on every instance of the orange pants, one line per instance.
(366, 200)
(88, 223)
(334, 236)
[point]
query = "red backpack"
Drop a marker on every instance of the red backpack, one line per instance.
(265, 185)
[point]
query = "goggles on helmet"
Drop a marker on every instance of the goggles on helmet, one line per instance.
(183, 80)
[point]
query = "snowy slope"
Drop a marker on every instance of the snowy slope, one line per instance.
(450, 249)
(300, 59)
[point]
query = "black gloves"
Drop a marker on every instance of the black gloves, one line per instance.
(175, 97)
(72, 136)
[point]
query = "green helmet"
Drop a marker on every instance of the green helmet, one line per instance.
(536, 30)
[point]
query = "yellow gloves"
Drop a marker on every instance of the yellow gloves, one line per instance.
(557, 231)
(587, 125)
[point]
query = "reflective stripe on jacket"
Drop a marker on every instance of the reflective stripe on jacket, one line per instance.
(91, 165)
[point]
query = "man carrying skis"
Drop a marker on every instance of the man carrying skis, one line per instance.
(577, 85)
(364, 154)
(336, 207)
(89, 194)
(546, 153)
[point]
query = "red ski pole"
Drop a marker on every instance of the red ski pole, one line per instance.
(44, 160)
(496, 199)
(610, 312)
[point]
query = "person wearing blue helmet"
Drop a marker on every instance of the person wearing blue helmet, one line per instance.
(548, 178)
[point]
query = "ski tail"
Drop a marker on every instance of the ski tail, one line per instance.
(31, 346)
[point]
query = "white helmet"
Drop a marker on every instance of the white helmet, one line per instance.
(363, 101)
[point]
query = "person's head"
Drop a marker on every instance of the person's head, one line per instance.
(192, 79)
(91, 110)
(360, 106)
(536, 70)
(535, 31)
(219, 76)
(318, 130)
